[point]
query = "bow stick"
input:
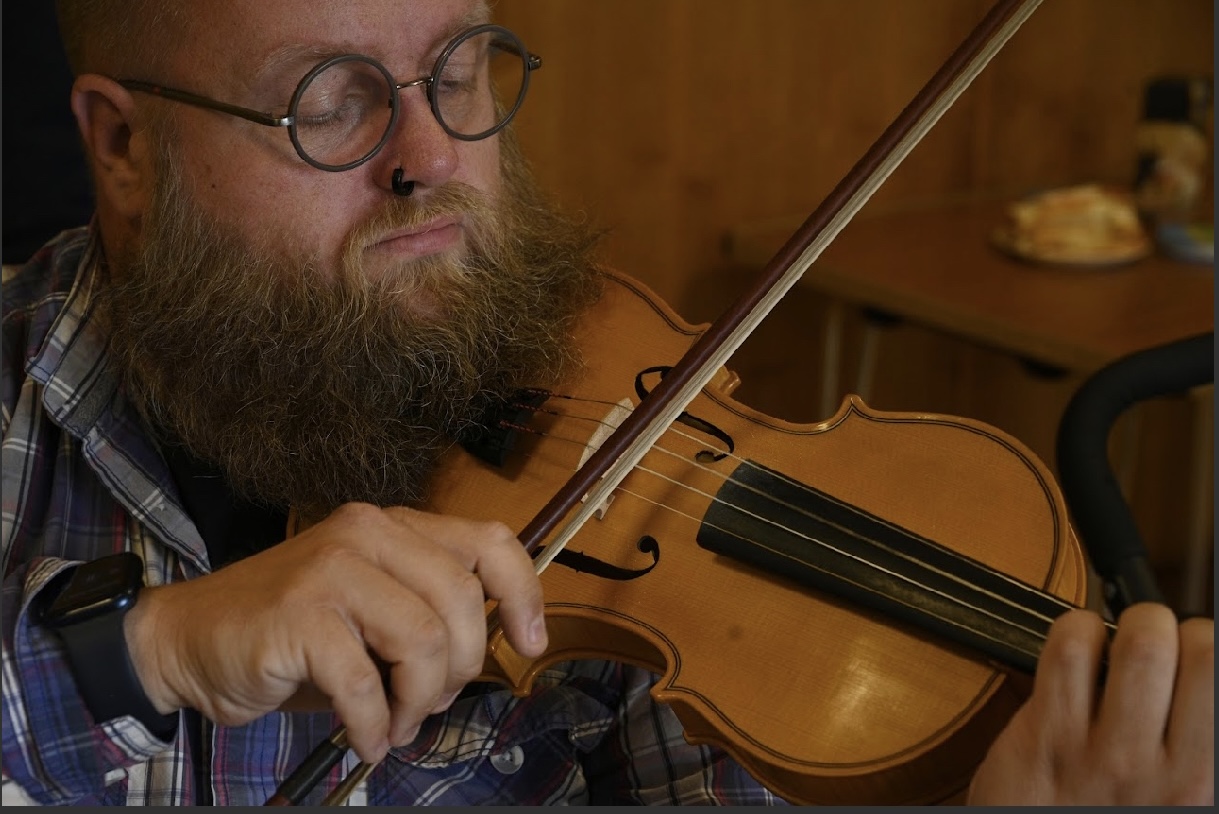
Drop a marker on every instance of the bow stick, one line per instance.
(615, 458)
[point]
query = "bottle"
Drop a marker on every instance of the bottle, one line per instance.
(1174, 156)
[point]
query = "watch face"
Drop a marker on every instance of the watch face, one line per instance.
(108, 584)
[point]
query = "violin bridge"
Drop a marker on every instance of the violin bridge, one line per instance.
(616, 415)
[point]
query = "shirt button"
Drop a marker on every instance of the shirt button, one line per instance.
(509, 761)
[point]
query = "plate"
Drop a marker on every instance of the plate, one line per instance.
(1190, 244)
(1114, 254)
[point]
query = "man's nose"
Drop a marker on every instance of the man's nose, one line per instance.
(418, 146)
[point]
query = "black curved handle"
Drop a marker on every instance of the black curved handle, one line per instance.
(1102, 516)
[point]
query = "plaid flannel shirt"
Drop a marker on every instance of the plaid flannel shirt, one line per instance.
(82, 480)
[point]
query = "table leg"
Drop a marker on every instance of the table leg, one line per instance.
(832, 358)
(867, 360)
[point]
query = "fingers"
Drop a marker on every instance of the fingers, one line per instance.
(1190, 741)
(411, 637)
(505, 572)
(1065, 685)
(1144, 734)
(454, 595)
(344, 672)
(1138, 692)
(1150, 737)
(363, 590)
(434, 638)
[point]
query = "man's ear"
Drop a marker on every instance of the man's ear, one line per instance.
(118, 148)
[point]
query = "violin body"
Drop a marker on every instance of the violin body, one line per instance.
(824, 701)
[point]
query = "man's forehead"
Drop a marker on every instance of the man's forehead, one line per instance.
(258, 37)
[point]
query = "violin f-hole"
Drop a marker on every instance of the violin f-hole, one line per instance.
(584, 564)
(692, 421)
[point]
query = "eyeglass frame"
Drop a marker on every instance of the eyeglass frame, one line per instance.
(532, 63)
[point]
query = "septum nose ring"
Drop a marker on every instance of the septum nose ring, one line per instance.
(401, 187)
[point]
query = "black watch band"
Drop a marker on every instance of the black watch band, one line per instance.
(86, 609)
(105, 676)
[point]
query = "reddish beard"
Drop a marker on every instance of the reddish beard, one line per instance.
(312, 387)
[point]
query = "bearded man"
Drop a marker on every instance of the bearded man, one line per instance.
(295, 296)
(303, 316)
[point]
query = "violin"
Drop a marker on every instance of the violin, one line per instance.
(846, 607)
(850, 608)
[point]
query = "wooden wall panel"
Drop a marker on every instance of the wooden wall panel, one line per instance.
(671, 122)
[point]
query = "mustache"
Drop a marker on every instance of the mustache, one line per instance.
(454, 199)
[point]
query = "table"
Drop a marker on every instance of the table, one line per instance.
(935, 265)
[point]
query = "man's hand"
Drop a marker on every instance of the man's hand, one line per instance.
(326, 610)
(1143, 735)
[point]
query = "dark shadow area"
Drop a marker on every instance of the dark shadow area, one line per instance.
(45, 176)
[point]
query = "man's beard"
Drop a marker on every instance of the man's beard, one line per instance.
(310, 387)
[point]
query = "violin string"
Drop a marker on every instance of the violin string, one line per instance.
(1011, 581)
(602, 422)
(832, 548)
(1064, 605)
(863, 587)
(817, 542)
(1004, 600)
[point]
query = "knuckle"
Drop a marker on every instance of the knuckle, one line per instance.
(464, 673)
(401, 515)
(1078, 624)
(1123, 767)
(1072, 639)
(332, 557)
(467, 590)
(429, 637)
(499, 534)
(355, 513)
(364, 681)
(1074, 651)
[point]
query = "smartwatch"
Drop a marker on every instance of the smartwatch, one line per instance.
(87, 615)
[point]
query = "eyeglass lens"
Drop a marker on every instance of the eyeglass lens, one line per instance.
(345, 111)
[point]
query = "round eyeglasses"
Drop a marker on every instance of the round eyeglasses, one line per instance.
(345, 108)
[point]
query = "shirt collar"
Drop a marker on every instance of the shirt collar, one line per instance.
(71, 366)
(81, 394)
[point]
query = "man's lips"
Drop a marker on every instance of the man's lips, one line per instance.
(433, 237)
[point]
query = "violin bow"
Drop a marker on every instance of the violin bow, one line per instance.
(621, 452)
(625, 447)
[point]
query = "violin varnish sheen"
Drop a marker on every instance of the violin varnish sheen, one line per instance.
(801, 533)
(824, 700)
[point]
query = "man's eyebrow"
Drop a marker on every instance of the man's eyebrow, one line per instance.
(297, 54)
